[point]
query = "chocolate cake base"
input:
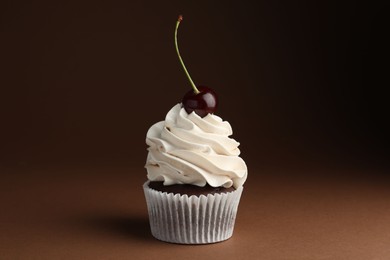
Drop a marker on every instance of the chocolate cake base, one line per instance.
(188, 189)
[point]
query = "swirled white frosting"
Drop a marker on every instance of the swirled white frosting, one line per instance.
(188, 149)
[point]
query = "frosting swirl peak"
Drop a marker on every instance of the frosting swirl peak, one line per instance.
(188, 149)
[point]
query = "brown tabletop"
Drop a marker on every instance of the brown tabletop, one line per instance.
(85, 212)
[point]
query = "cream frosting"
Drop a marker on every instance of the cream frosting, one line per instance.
(188, 149)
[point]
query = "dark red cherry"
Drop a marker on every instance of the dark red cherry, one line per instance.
(202, 100)
(203, 103)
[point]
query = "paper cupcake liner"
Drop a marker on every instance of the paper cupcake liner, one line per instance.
(187, 219)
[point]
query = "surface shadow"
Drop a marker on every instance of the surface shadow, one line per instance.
(123, 226)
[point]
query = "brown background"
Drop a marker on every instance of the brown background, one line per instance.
(302, 83)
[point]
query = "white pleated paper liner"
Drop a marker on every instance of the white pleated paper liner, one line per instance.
(200, 219)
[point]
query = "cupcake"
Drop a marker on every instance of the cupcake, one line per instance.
(195, 175)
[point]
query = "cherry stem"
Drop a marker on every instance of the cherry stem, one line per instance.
(181, 60)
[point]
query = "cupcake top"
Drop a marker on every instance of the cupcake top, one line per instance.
(188, 149)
